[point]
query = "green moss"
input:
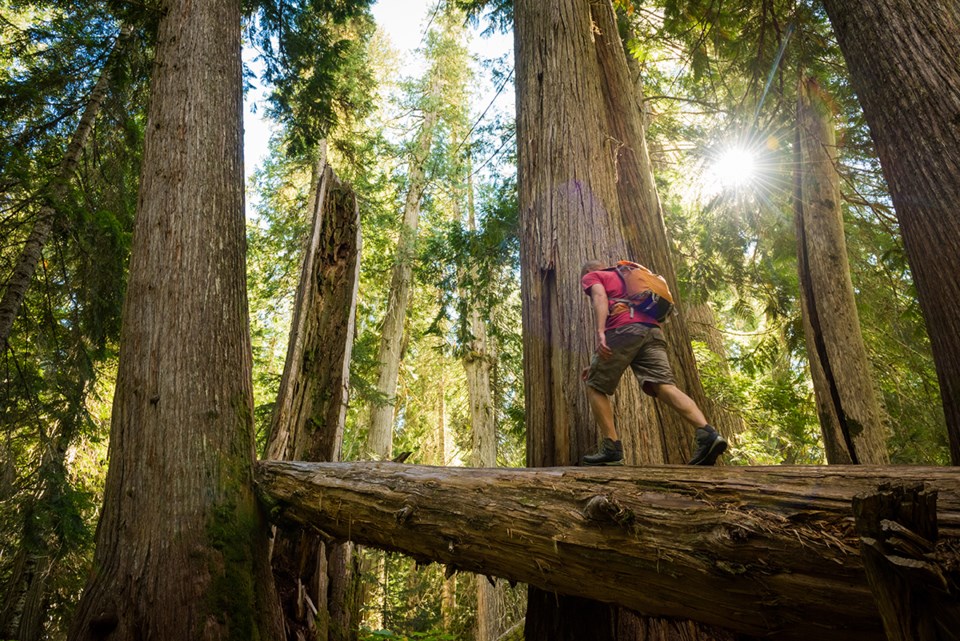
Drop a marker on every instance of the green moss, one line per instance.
(232, 595)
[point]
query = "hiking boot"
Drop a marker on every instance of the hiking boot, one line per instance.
(609, 453)
(710, 445)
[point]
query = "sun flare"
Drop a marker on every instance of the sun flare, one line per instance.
(735, 168)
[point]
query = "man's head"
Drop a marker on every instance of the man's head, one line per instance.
(590, 266)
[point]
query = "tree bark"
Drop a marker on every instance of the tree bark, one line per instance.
(309, 416)
(766, 551)
(569, 213)
(586, 191)
(32, 250)
(181, 546)
(898, 537)
(380, 435)
(703, 327)
(902, 57)
(642, 222)
(850, 414)
(311, 405)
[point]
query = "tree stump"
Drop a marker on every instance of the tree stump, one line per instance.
(915, 581)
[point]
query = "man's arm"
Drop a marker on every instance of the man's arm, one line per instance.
(601, 309)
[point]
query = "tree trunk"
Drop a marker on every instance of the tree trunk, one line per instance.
(308, 419)
(380, 436)
(311, 406)
(181, 546)
(642, 222)
(850, 415)
(902, 57)
(26, 264)
(898, 537)
(703, 327)
(477, 364)
(766, 551)
(586, 191)
(569, 213)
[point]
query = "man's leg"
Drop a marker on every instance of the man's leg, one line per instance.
(602, 412)
(710, 445)
(683, 404)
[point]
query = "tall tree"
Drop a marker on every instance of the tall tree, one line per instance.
(26, 264)
(181, 546)
(477, 363)
(439, 87)
(586, 185)
(850, 415)
(902, 60)
(380, 436)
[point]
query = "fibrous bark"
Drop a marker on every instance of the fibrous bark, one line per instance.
(765, 551)
(586, 191)
(918, 600)
(181, 549)
(641, 221)
(902, 56)
(850, 414)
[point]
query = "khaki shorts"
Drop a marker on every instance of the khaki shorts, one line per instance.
(642, 348)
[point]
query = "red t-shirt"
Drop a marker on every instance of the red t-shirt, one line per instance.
(613, 285)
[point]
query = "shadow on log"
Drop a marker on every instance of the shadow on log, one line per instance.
(913, 573)
(763, 551)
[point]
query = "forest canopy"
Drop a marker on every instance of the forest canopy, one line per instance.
(150, 287)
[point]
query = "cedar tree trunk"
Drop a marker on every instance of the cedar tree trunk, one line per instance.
(850, 414)
(902, 56)
(181, 548)
(309, 416)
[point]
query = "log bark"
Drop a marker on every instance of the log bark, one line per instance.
(850, 415)
(918, 601)
(902, 56)
(765, 551)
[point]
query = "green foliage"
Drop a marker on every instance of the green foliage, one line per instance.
(706, 67)
(313, 54)
(56, 372)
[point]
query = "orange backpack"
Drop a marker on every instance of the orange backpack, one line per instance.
(646, 292)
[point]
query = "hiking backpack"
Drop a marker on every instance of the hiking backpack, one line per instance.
(645, 291)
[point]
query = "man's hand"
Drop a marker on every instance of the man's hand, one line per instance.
(602, 349)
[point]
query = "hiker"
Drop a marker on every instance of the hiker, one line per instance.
(628, 336)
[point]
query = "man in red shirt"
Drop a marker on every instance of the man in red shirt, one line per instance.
(630, 337)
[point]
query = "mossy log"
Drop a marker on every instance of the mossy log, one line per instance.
(764, 551)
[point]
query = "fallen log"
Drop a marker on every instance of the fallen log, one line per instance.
(898, 531)
(764, 551)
